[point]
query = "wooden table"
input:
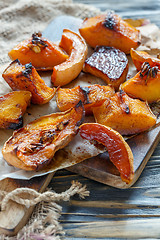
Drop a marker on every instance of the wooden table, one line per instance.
(110, 213)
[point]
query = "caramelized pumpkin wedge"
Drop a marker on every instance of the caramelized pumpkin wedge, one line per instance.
(110, 30)
(91, 96)
(25, 77)
(77, 49)
(33, 146)
(124, 114)
(119, 151)
(108, 63)
(145, 84)
(12, 107)
(42, 53)
(139, 57)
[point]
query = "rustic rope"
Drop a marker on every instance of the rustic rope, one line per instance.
(33, 197)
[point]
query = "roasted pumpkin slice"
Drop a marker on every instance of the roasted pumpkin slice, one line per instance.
(108, 63)
(137, 22)
(33, 146)
(25, 77)
(139, 57)
(124, 114)
(42, 53)
(91, 96)
(145, 84)
(12, 107)
(119, 151)
(110, 30)
(77, 49)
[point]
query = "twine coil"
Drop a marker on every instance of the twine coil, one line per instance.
(34, 197)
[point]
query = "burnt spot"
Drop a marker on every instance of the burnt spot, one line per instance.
(62, 125)
(148, 71)
(16, 61)
(33, 147)
(110, 21)
(42, 164)
(79, 104)
(47, 136)
(125, 107)
(16, 125)
(19, 75)
(37, 40)
(28, 70)
(18, 105)
(15, 150)
(85, 91)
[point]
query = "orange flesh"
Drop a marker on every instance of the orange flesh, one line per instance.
(33, 146)
(12, 107)
(46, 59)
(124, 114)
(93, 95)
(139, 57)
(32, 82)
(147, 89)
(119, 151)
(110, 30)
(77, 49)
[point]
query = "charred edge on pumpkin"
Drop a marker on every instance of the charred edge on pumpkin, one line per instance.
(125, 106)
(48, 136)
(36, 146)
(16, 61)
(32, 148)
(110, 21)
(62, 125)
(13, 62)
(40, 166)
(102, 49)
(147, 70)
(16, 125)
(80, 104)
(28, 70)
(85, 92)
(37, 40)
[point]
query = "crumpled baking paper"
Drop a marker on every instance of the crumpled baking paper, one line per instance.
(78, 149)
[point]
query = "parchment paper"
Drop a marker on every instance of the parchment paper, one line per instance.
(78, 149)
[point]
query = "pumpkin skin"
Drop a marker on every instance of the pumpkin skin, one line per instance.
(25, 77)
(119, 151)
(110, 30)
(12, 107)
(91, 96)
(42, 53)
(33, 146)
(77, 50)
(124, 114)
